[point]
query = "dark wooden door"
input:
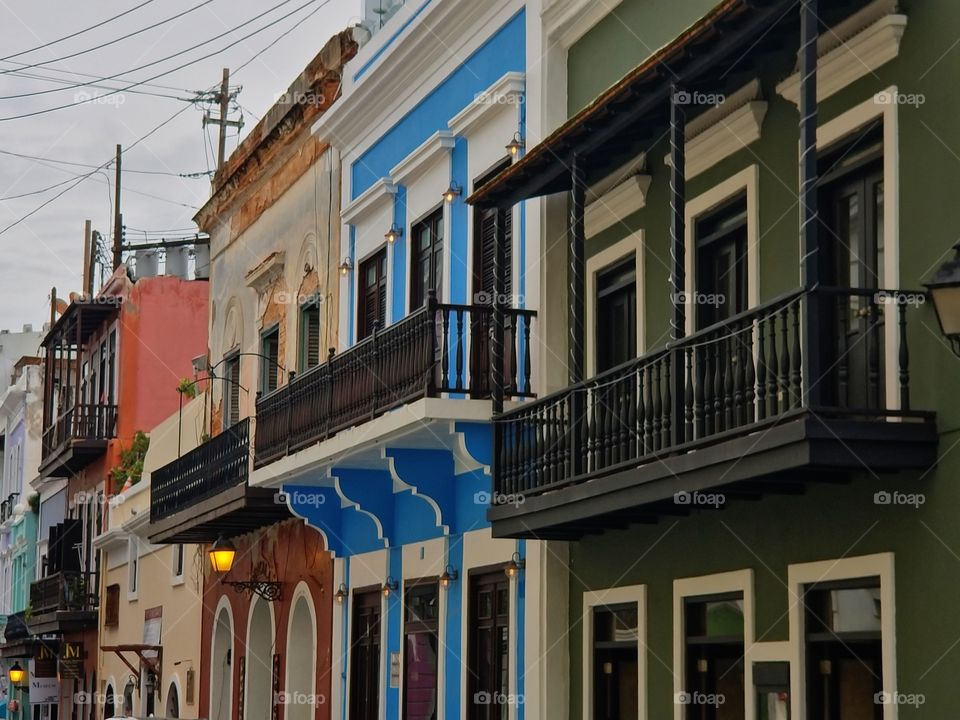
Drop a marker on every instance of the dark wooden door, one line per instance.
(365, 657)
(616, 321)
(484, 287)
(489, 643)
(372, 294)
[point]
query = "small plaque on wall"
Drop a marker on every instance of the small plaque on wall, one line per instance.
(394, 670)
(191, 684)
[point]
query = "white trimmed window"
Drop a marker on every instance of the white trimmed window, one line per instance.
(133, 568)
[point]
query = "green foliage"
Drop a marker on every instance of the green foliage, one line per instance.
(131, 461)
(34, 502)
(187, 387)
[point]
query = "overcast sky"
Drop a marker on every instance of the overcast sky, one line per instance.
(45, 249)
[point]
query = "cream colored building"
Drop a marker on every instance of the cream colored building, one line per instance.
(150, 604)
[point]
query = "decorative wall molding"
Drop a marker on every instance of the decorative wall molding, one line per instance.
(378, 192)
(853, 49)
(264, 274)
(566, 21)
(724, 129)
(416, 162)
(508, 90)
(616, 204)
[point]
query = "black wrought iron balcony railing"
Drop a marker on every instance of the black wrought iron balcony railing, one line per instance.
(88, 421)
(437, 349)
(218, 464)
(68, 590)
(736, 377)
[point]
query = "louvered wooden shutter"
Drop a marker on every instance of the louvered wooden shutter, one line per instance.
(486, 256)
(310, 336)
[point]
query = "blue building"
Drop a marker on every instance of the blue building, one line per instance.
(386, 447)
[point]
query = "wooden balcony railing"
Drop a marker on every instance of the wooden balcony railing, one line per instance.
(69, 590)
(81, 422)
(220, 463)
(736, 376)
(437, 349)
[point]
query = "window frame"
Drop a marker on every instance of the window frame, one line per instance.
(421, 627)
(710, 241)
(616, 596)
(435, 218)
(379, 255)
(269, 372)
(309, 305)
(133, 568)
(373, 597)
(231, 389)
(179, 558)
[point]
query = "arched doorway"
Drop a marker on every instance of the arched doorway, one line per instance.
(109, 709)
(259, 661)
(221, 665)
(301, 658)
(173, 702)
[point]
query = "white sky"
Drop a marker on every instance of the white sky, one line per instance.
(45, 250)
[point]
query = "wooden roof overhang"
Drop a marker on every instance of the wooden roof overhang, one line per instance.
(720, 52)
(81, 319)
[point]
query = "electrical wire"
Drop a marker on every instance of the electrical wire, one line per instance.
(116, 40)
(79, 32)
(64, 71)
(92, 172)
(167, 57)
(282, 35)
(65, 81)
(37, 158)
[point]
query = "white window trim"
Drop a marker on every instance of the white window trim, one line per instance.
(133, 568)
(747, 180)
(836, 129)
(178, 579)
(632, 244)
(735, 581)
(593, 599)
(799, 575)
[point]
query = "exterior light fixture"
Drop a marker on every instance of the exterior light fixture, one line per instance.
(341, 594)
(17, 674)
(346, 266)
(393, 233)
(452, 192)
(390, 586)
(449, 576)
(515, 565)
(222, 555)
(944, 289)
(516, 145)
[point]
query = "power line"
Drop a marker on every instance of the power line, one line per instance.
(65, 81)
(120, 78)
(116, 40)
(79, 32)
(163, 59)
(283, 35)
(200, 173)
(87, 175)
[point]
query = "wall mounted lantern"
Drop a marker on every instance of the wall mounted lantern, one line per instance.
(944, 289)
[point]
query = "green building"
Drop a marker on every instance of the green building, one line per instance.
(745, 460)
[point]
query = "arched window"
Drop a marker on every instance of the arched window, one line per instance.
(173, 702)
(259, 661)
(221, 666)
(109, 709)
(301, 660)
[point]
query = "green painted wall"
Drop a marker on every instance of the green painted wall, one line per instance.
(828, 521)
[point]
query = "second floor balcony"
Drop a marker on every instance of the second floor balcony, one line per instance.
(205, 493)
(62, 602)
(440, 350)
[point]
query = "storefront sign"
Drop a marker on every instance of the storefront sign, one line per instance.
(44, 690)
(71, 660)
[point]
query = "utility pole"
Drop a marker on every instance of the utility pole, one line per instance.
(223, 97)
(117, 215)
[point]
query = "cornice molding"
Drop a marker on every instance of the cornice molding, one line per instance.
(264, 274)
(566, 21)
(380, 191)
(616, 204)
(416, 162)
(852, 49)
(508, 90)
